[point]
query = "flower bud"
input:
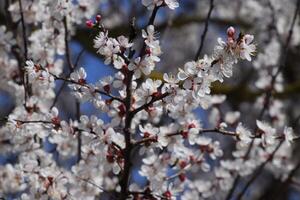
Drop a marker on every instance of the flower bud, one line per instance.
(182, 177)
(230, 32)
(167, 194)
(191, 126)
(98, 18)
(89, 23)
(182, 164)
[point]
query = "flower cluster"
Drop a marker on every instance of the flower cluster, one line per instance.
(111, 48)
(172, 4)
(142, 125)
(145, 64)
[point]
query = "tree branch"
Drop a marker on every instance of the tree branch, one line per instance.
(23, 31)
(153, 100)
(64, 82)
(67, 48)
(124, 180)
(87, 86)
(205, 30)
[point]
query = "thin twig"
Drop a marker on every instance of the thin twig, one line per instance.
(153, 100)
(286, 183)
(27, 88)
(87, 86)
(79, 139)
(58, 94)
(68, 55)
(78, 58)
(92, 183)
(214, 130)
(205, 30)
(273, 21)
(33, 121)
(258, 171)
(24, 31)
(287, 43)
(153, 15)
(72, 68)
(64, 83)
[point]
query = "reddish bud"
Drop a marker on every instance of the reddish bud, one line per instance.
(122, 110)
(55, 120)
(37, 68)
(184, 134)
(182, 164)
(106, 88)
(146, 135)
(98, 18)
(192, 159)
(148, 51)
(182, 177)
(191, 126)
(230, 32)
(124, 69)
(206, 148)
(167, 194)
(89, 23)
(108, 101)
(110, 158)
(81, 81)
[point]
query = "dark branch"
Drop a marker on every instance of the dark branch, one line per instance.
(205, 30)
(87, 86)
(64, 83)
(124, 179)
(67, 48)
(153, 100)
(23, 31)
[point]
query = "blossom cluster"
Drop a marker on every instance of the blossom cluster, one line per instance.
(152, 124)
(172, 4)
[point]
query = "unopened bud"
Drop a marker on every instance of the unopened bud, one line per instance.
(191, 126)
(167, 195)
(89, 23)
(98, 18)
(182, 177)
(230, 32)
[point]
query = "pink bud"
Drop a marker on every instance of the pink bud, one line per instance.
(182, 164)
(230, 31)
(182, 177)
(191, 126)
(167, 194)
(98, 18)
(89, 23)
